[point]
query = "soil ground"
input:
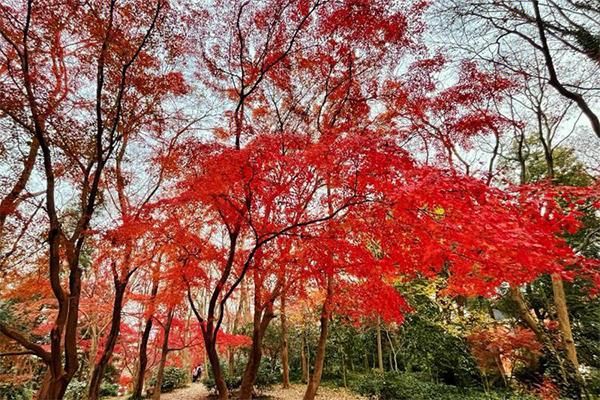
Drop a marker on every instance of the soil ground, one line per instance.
(197, 391)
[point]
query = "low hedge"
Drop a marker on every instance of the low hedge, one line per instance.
(173, 378)
(407, 386)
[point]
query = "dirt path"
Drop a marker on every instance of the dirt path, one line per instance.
(197, 391)
(296, 392)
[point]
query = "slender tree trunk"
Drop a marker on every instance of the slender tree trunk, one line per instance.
(213, 357)
(560, 302)
(238, 319)
(231, 361)
(343, 365)
(315, 378)
(304, 359)
(143, 354)
(11, 200)
(532, 323)
(262, 319)
(284, 346)
(93, 353)
(393, 355)
(111, 341)
(138, 386)
(379, 346)
(163, 355)
(51, 388)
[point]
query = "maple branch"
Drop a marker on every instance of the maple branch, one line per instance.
(17, 353)
(23, 341)
(262, 242)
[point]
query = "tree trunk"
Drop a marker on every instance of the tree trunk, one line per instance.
(11, 200)
(343, 365)
(379, 346)
(560, 302)
(231, 361)
(51, 389)
(304, 359)
(93, 352)
(111, 341)
(143, 355)
(315, 378)
(284, 346)
(163, 355)
(532, 323)
(213, 358)
(262, 319)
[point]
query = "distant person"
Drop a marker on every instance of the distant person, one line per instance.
(197, 373)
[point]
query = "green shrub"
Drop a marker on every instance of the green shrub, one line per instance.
(407, 386)
(232, 381)
(77, 390)
(173, 378)
(267, 375)
(593, 381)
(108, 389)
(10, 391)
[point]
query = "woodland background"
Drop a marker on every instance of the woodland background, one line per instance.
(396, 198)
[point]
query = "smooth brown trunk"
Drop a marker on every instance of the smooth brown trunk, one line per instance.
(51, 389)
(231, 360)
(379, 346)
(562, 311)
(163, 355)
(213, 358)
(303, 358)
(93, 352)
(143, 354)
(262, 319)
(315, 378)
(111, 341)
(532, 323)
(11, 200)
(143, 362)
(285, 367)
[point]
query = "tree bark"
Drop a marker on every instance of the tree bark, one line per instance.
(532, 323)
(560, 302)
(51, 388)
(303, 359)
(163, 355)
(111, 341)
(143, 355)
(213, 358)
(315, 378)
(263, 315)
(379, 346)
(11, 200)
(284, 346)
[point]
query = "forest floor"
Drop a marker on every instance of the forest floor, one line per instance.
(197, 391)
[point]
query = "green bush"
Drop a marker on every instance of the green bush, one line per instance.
(267, 376)
(77, 390)
(593, 381)
(173, 378)
(406, 386)
(232, 381)
(108, 389)
(10, 391)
